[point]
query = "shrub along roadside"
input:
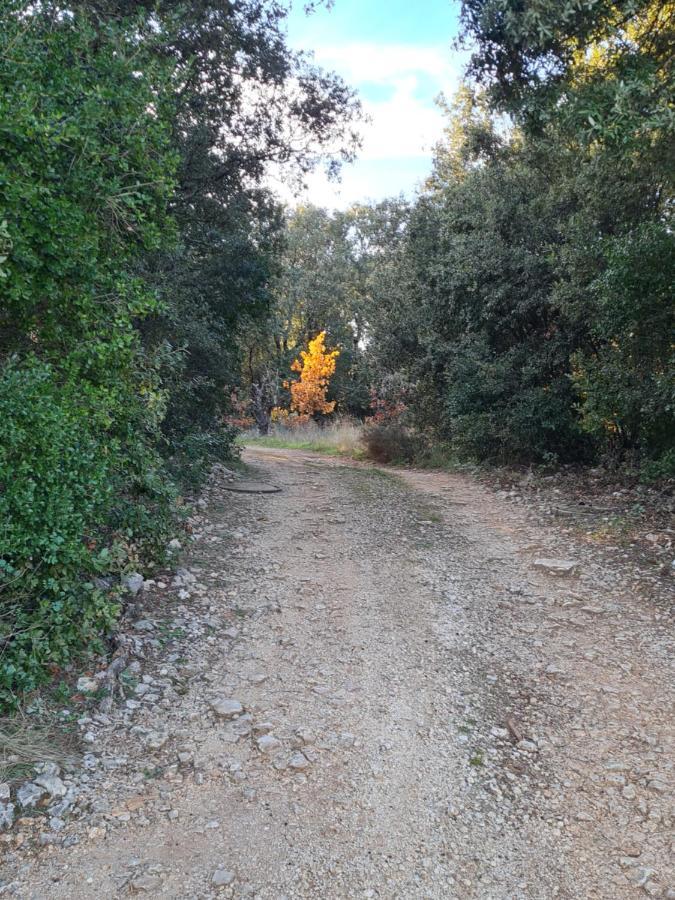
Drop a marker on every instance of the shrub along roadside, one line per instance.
(86, 173)
(392, 443)
(62, 485)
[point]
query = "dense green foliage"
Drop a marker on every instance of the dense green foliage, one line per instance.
(525, 301)
(58, 489)
(591, 86)
(244, 101)
(86, 172)
(332, 273)
(136, 241)
(521, 309)
(320, 285)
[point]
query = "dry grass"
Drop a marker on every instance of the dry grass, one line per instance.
(340, 438)
(23, 743)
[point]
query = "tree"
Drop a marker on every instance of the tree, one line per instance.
(593, 81)
(247, 102)
(329, 265)
(602, 68)
(491, 363)
(527, 299)
(626, 376)
(264, 397)
(316, 365)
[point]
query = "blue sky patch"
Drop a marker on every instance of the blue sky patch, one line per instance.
(399, 57)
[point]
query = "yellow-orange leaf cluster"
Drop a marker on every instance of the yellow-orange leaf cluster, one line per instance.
(316, 365)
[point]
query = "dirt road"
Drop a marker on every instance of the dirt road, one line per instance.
(425, 713)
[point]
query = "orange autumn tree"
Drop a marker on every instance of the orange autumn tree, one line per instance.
(316, 365)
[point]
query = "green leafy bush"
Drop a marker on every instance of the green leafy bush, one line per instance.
(194, 453)
(392, 443)
(86, 173)
(626, 384)
(57, 487)
(659, 469)
(76, 503)
(511, 407)
(136, 242)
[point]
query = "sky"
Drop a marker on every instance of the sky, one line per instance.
(398, 55)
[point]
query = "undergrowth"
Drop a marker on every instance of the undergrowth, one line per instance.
(341, 438)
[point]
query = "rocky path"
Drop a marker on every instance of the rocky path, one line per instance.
(369, 685)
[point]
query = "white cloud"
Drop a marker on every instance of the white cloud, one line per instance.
(375, 63)
(401, 126)
(398, 84)
(356, 185)
(406, 122)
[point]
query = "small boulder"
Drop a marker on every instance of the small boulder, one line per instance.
(47, 838)
(155, 740)
(62, 806)
(560, 567)
(29, 794)
(298, 761)
(145, 884)
(6, 815)
(221, 878)
(185, 576)
(133, 582)
(226, 707)
(87, 685)
(263, 728)
(53, 785)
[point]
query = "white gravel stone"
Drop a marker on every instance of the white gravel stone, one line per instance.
(557, 566)
(222, 877)
(6, 815)
(422, 649)
(29, 794)
(226, 707)
(298, 761)
(134, 583)
(52, 784)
